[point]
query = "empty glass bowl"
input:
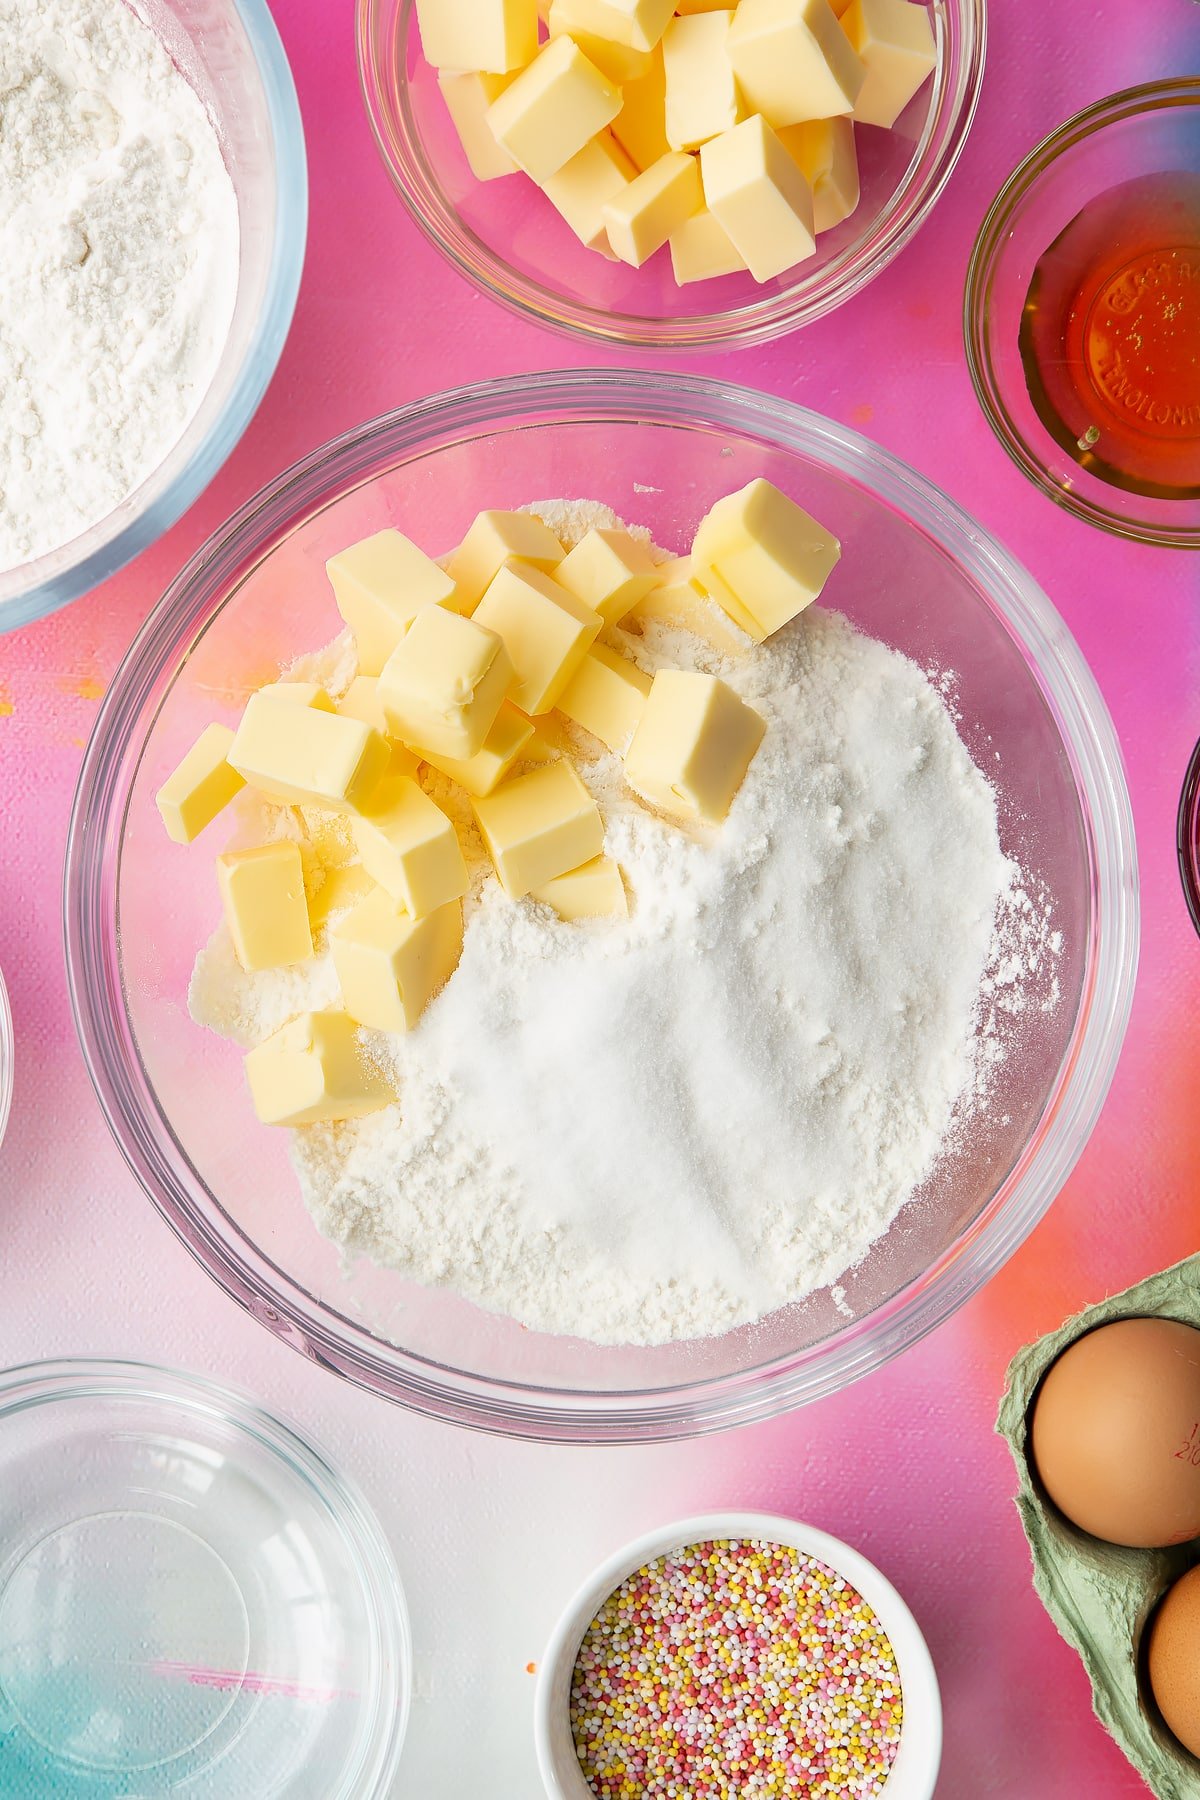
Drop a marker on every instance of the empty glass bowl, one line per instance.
(506, 237)
(192, 1602)
(230, 52)
(660, 449)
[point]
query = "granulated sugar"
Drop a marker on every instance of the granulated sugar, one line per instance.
(659, 1128)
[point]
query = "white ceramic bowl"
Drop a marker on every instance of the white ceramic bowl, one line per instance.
(915, 1770)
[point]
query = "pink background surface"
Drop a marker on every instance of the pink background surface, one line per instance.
(491, 1536)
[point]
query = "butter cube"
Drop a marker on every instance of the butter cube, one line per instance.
(641, 125)
(545, 629)
(505, 743)
(677, 601)
(760, 197)
(619, 62)
(595, 891)
(262, 892)
(410, 847)
(552, 108)
(380, 586)
(693, 745)
(301, 693)
(609, 571)
(702, 92)
(302, 756)
(606, 696)
(538, 826)
(824, 152)
(340, 889)
(702, 249)
(443, 684)
(468, 98)
(894, 39)
(201, 787)
(389, 965)
(313, 1069)
(494, 539)
(582, 186)
(638, 23)
(495, 35)
(641, 218)
(793, 61)
(764, 553)
(361, 701)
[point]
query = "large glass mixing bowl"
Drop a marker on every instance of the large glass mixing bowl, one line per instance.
(660, 449)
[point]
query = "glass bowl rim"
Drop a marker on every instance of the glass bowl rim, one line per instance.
(758, 322)
(35, 596)
(1112, 109)
(24, 1386)
(1187, 820)
(684, 1408)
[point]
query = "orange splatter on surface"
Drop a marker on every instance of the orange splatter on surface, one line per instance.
(862, 414)
(531, 1668)
(7, 708)
(89, 688)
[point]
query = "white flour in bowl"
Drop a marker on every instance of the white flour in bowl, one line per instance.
(118, 264)
(660, 1128)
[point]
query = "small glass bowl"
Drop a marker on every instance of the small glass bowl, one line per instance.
(192, 1601)
(231, 53)
(1142, 131)
(507, 239)
(913, 1775)
(7, 1058)
(660, 449)
(1187, 837)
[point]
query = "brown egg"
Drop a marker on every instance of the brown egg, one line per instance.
(1116, 1432)
(1173, 1660)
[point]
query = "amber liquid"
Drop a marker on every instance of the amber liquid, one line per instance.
(1110, 336)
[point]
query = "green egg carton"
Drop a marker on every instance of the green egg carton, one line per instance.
(1099, 1595)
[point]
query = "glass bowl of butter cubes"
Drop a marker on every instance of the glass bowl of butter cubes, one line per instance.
(669, 172)
(377, 547)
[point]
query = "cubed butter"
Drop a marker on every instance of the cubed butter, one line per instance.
(503, 746)
(380, 585)
(702, 91)
(641, 125)
(552, 108)
(467, 100)
(390, 965)
(609, 570)
(641, 218)
(894, 39)
(302, 756)
(619, 62)
(606, 696)
(361, 701)
(793, 61)
(494, 539)
(494, 35)
(314, 1069)
(758, 548)
(444, 683)
(581, 187)
(677, 601)
(262, 892)
(825, 153)
(760, 197)
(595, 891)
(202, 786)
(637, 23)
(300, 693)
(545, 630)
(538, 826)
(693, 745)
(340, 889)
(410, 847)
(702, 249)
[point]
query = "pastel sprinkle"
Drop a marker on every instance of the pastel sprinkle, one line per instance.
(732, 1669)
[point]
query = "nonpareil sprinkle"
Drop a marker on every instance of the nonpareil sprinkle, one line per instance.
(730, 1669)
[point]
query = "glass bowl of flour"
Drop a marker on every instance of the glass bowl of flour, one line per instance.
(837, 1066)
(153, 210)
